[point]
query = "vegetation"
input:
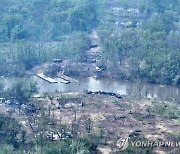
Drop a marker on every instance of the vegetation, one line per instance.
(145, 38)
(13, 139)
(139, 41)
(70, 146)
(30, 35)
(175, 135)
(167, 110)
(137, 137)
(43, 130)
(1, 88)
(24, 55)
(22, 90)
(52, 70)
(45, 20)
(9, 129)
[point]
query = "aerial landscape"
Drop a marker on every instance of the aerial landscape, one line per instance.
(90, 77)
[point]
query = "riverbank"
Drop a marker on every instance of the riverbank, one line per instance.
(131, 89)
(95, 64)
(106, 118)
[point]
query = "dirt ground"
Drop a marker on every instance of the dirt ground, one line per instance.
(116, 118)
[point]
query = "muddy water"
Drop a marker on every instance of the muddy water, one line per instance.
(153, 91)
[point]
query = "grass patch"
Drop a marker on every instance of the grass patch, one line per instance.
(175, 135)
(166, 109)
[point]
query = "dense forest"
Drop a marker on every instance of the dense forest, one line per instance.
(34, 32)
(142, 35)
(145, 37)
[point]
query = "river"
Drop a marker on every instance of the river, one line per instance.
(138, 90)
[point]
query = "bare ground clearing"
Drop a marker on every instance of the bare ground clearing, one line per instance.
(114, 117)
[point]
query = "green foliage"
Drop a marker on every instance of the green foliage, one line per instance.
(52, 70)
(147, 41)
(69, 146)
(150, 47)
(28, 54)
(176, 80)
(1, 88)
(160, 22)
(167, 110)
(24, 55)
(10, 129)
(62, 26)
(72, 146)
(71, 71)
(175, 135)
(75, 46)
(22, 89)
(50, 19)
(150, 6)
(6, 149)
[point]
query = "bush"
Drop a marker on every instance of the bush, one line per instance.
(167, 110)
(9, 128)
(52, 70)
(71, 71)
(69, 146)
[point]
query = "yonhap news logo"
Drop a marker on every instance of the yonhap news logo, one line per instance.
(123, 143)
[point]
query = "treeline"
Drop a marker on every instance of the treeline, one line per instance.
(35, 32)
(45, 19)
(16, 59)
(148, 44)
(14, 140)
(143, 35)
(37, 137)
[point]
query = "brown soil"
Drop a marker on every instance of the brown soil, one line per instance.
(115, 117)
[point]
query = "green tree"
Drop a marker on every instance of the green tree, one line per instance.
(22, 89)
(10, 129)
(1, 88)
